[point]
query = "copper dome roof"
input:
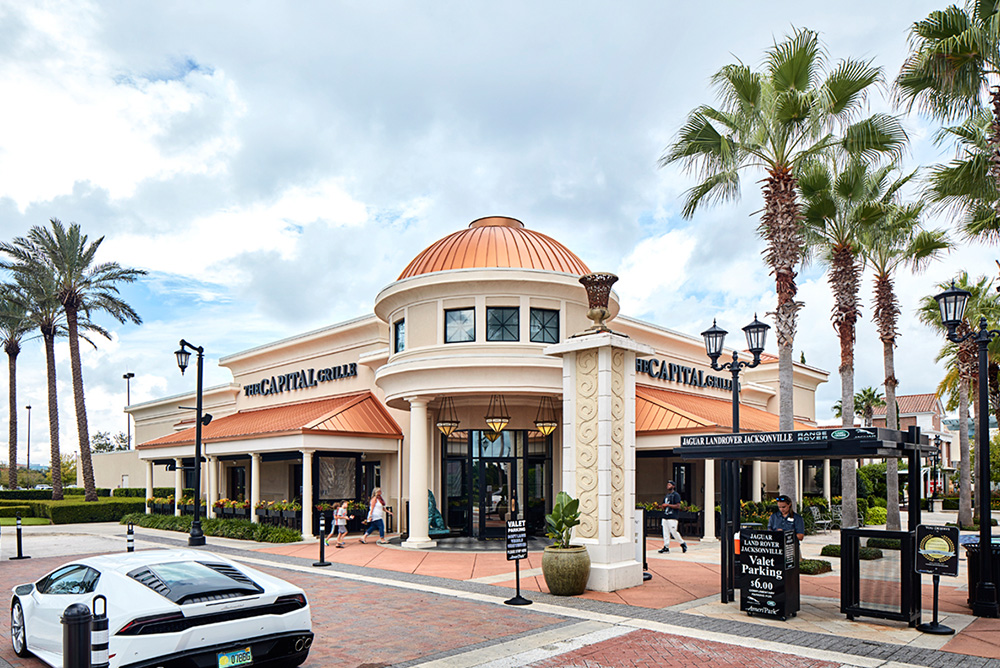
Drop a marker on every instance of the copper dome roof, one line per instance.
(496, 241)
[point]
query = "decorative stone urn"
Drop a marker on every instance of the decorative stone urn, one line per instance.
(598, 286)
(566, 569)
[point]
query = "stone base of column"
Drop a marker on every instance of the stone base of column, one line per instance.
(612, 577)
(713, 539)
(417, 543)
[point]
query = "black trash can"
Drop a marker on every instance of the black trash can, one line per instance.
(973, 552)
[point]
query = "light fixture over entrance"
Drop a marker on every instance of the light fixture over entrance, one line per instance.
(497, 416)
(448, 419)
(545, 419)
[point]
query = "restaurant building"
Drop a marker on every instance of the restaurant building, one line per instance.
(456, 343)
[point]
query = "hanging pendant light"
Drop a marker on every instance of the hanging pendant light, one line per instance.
(491, 436)
(448, 418)
(545, 419)
(496, 415)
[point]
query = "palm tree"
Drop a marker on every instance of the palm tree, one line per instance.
(898, 243)
(865, 402)
(772, 121)
(844, 203)
(13, 326)
(83, 286)
(953, 67)
(962, 357)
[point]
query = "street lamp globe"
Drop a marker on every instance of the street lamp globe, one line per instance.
(952, 303)
(756, 333)
(183, 357)
(715, 337)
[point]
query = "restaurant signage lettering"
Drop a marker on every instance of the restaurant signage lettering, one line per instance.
(783, 437)
(937, 550)
(769, 574)
(678, 373)
(517, 540)
(300, 380)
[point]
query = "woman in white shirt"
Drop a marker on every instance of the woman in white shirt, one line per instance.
(376, 517)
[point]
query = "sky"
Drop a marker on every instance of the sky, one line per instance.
(273, 165)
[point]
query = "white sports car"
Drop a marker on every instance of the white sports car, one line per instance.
(169, 609)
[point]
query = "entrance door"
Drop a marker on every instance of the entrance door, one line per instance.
(684, 481)
(497, 495)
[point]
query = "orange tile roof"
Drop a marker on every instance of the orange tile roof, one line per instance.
(659, 411)
(355, 414)
(496, 241)
(912, 403)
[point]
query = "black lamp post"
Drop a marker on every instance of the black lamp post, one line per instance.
(28, 448)
(952, 304)
(715, 337)
(197, 536)
(936, 470)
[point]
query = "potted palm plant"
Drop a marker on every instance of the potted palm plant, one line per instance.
(565, 567)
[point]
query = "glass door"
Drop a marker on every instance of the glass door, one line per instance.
(497, 495)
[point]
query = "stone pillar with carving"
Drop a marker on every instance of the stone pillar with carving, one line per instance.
(599, 440)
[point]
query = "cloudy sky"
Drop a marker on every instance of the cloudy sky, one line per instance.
(273, 165)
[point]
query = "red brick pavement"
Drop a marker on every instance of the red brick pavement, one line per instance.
(649, 648)
(355, 623)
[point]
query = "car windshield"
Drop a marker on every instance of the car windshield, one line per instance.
(190, 573)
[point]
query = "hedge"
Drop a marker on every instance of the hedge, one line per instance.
(13, 511)
(42, 494)
(865, 553)
(157, 491)
(875, 515)
(814, 566)
(884, 543)
(223, 528)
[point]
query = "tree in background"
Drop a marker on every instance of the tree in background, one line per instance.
(14, 324)
(83, 287)
(103, 441)
(772, 121)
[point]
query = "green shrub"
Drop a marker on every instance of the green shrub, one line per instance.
(104, 510)
(869, 553)
(814, 566)
(877, 502)
(832, 550)
(875, 516)
(818, 501)
(862, 507)
(884, 543)
(12, 511)
(46, 494)
(949, 503)
(230, 528)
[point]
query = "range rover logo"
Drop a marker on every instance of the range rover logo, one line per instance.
(839, 434)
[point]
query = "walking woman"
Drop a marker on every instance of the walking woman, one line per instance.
(376, 517)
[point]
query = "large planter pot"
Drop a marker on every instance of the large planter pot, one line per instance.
(566, 570)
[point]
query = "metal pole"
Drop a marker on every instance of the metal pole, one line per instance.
(197, 536)
(322, 541)
(128, 402)
(130, 538)
(99, 657)
(76, 636)
(19, 554)
(985, 603)
(28, 453)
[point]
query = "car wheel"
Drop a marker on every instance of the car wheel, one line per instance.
(18, 632)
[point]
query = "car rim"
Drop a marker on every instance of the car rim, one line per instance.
(17, 628)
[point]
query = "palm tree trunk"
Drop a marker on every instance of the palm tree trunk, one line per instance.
(12, 351)
(55, 457)
(893, 520)
(787, 483)
(964, 478)
(82, 429)
(848, 467)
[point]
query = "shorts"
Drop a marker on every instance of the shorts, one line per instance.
(341, 528)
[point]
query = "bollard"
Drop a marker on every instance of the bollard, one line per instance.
(76, 636)
(322, 542)
(99, 635)
(130, 538)
(19, 555)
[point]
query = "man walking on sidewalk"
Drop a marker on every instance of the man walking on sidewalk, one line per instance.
(671, 514)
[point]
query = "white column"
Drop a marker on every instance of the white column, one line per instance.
(210, 498)
(709, 502)
(178, 485)
(755, 481)
(254, 485)
(826, 481)
(307, 493)
(417, 521)
(149, 482)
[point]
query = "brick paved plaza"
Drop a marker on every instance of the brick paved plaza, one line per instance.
(384, 606)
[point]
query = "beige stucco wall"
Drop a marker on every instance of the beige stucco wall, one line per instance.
(124, 469)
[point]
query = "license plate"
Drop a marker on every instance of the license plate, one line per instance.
(240, 657)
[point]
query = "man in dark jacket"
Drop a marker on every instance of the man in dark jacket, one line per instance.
(671, 515)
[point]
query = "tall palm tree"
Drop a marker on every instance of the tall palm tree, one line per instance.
(772, 121)
(13, 326)
(844, 201)
(865, 402)
(898, 243)
(83, 286)
(963, 358)
(953, 70)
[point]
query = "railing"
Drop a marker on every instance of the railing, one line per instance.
(891, 590)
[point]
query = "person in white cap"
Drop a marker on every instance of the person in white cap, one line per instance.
(671, 514)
